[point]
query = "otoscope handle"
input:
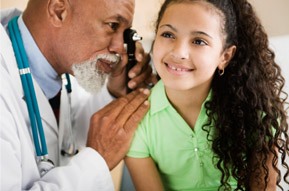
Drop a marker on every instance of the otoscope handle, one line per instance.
(130, 37)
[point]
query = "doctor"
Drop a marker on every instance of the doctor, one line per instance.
(83, 38)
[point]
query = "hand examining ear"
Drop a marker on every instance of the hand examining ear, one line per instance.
(112, 128)
(141, 74)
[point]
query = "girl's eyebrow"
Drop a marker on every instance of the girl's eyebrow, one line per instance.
(192, 33)
(170, 26)
(201, 33)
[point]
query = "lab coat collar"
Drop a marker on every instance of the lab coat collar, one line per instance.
(45, 109)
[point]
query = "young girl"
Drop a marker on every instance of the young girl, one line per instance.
(216, 121)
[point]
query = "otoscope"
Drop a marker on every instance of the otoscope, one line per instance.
(130, 37)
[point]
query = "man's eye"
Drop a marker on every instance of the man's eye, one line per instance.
(167, 35)
(200, 42)
(113, 26)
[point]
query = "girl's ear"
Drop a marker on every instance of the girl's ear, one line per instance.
(58, 11)
(227, 55)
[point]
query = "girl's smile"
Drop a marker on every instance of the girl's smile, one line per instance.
(177, 69)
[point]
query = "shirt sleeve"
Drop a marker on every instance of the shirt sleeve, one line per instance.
(140, 147)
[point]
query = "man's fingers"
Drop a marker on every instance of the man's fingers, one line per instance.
(142, 78)
(142, 64)
(117, 105)
(143, 58)
(139, 51)
(135, 70)
(132, 107)
(135, 119)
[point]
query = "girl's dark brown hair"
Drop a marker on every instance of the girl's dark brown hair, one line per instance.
(247, 112)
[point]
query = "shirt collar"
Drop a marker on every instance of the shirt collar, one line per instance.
(44, 74)
(159, 100)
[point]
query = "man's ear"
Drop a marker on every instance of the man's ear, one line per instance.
(57, 11)
(227, 55)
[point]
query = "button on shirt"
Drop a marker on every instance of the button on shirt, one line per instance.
(184, 156)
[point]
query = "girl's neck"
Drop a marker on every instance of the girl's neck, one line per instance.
(188, 103)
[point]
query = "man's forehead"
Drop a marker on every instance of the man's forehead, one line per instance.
(121, 10)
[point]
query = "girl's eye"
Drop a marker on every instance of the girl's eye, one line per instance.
(167, 35)
(113, 26)
(200, 42)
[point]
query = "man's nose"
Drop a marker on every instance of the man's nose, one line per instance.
(117, 44)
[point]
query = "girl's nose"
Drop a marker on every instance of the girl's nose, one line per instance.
(180, 50)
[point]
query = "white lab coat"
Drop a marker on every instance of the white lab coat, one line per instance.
(85, 171)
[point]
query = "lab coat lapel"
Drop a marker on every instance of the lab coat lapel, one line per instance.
(45, 109)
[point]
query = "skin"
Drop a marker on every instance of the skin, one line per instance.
(194, 44)
(73, 31)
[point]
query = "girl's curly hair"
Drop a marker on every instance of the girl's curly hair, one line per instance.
(247, 109)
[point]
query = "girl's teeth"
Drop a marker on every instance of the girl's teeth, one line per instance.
(177, 69)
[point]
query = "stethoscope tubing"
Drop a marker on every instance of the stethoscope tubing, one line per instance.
(28, 87)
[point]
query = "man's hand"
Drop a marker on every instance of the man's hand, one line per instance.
(112, 128)
(141, 74)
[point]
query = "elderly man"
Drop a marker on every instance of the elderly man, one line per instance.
(85, 39)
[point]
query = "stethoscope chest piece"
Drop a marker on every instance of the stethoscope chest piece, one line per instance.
(44, 166)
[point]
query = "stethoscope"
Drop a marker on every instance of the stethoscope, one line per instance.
(44, 163)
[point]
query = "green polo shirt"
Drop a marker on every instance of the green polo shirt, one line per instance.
(183, 156)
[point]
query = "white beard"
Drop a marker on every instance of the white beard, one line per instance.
(90, 76)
